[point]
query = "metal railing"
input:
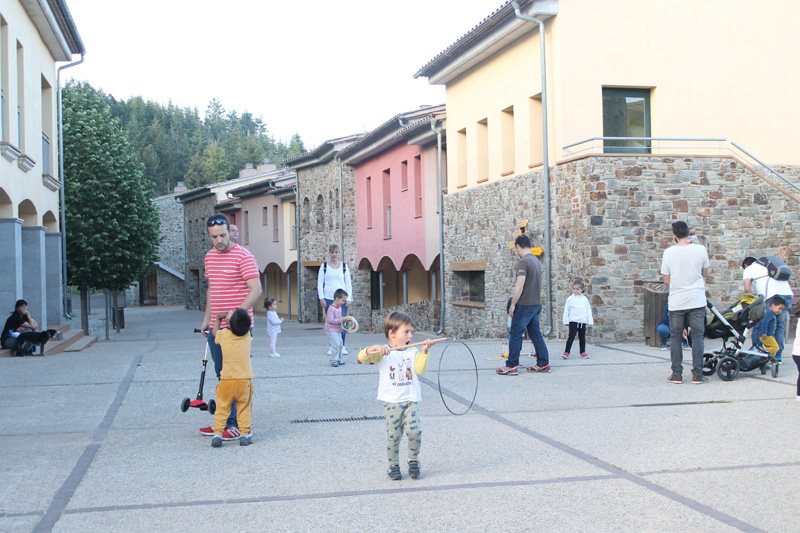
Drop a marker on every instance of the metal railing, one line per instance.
(652, 145)
(681, 145)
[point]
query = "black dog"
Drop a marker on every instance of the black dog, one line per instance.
(27, 340)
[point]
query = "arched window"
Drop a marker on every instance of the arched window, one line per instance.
(319, 212)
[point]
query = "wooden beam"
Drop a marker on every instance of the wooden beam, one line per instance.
(468, 266)
(312, 263)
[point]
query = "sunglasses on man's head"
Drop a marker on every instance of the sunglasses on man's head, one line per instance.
(214, 221)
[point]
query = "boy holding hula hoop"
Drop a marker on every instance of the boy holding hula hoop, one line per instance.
(399, 389)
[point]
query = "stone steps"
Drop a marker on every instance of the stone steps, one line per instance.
(69, 340)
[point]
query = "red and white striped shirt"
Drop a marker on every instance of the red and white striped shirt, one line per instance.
(227, 274)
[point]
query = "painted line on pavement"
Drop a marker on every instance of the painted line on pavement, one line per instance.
(70, 485)
(616, 471)
(342, 494)
(718, 468)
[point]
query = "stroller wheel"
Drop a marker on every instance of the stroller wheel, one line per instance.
(763, 369)
(185, 405)
(709, 364)
(212, 406)
(728, 368)
(775, 367)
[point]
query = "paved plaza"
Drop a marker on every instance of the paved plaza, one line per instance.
(96, 441)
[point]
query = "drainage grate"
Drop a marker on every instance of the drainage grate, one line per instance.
(350, 419)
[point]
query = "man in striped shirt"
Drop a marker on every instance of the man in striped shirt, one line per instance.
(233, 282)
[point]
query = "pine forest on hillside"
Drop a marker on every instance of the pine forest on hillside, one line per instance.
(174, 144)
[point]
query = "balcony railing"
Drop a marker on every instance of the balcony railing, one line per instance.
(388, 234)
(45, 154)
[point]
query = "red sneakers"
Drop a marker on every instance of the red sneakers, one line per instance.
(231, 433)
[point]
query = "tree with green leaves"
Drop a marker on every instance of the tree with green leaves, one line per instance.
(112, 226)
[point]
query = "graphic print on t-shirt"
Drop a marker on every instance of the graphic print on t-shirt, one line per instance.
(400, 376)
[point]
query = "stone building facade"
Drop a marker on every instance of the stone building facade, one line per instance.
(170, 288)
(611, 222)
(318, 194)
(196, 212)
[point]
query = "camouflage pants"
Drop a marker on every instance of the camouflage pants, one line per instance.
(400, 418)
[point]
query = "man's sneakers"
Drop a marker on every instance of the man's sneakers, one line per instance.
(413, 469)
(507, 371)
(545, 368)
(207, 432)
(675, 378)
(699, 380)
(664, 346)
(394, 472)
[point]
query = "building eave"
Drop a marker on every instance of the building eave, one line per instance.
(494, 33)
(55, 26)
(322, 153)
(194, 194)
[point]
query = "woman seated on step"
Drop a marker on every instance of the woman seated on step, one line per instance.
(20, 332)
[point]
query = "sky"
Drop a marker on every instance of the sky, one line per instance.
(320, 68)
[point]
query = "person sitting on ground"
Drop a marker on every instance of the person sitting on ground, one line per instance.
(764, 332)
(664, 332)
(19, 332)
(236, 380)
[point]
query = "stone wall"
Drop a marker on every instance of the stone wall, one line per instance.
(171, 250)
(196, 213)
(318, 191)
(426, 315)
(611, 221)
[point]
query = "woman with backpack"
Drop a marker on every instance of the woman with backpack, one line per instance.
(334, 275)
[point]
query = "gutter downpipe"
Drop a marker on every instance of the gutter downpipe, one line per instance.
(341, 208)
(62, 195)
(546, 164)
(299, 263)
(440, 197)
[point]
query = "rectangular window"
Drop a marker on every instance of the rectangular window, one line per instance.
(275, 229)
(265, 216)
(369, 202)
(293, 212)
(404, 176)
(47, 126)
(387, 203)
(507, 139)
(626, 113)
(469, 287)
(418, 186)
(536, 133)
(482, 140)
(3, 79)
(461, 148)
(246, 227)
(20, 98)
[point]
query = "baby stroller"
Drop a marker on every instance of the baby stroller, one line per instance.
(732, 326)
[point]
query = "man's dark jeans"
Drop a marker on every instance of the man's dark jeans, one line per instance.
(678, 320)
(526, 317)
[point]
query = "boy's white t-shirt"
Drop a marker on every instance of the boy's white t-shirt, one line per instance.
(684, 265)
(398, 381)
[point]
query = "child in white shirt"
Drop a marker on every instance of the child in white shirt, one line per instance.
(578, 314)
(273, 325)
(399, 389)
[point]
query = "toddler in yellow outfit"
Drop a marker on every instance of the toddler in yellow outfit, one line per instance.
(236, 379)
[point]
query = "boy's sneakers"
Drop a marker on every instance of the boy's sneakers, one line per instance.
(507, 371)
(675, 378)
(584, 355)
(664, 346)
(394, 472)
(276, 354)
(344, 350)
(246, 440)
(565, 355)
(216, 442)
(545, 368)
(413, 469)
(699, 380)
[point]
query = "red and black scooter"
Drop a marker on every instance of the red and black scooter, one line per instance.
(211, 405)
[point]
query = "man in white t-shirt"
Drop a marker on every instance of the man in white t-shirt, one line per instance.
(685, 267)
(757, 281)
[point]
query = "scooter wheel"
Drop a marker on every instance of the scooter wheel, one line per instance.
(212, 406)
(775, 367)
(185, 405)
